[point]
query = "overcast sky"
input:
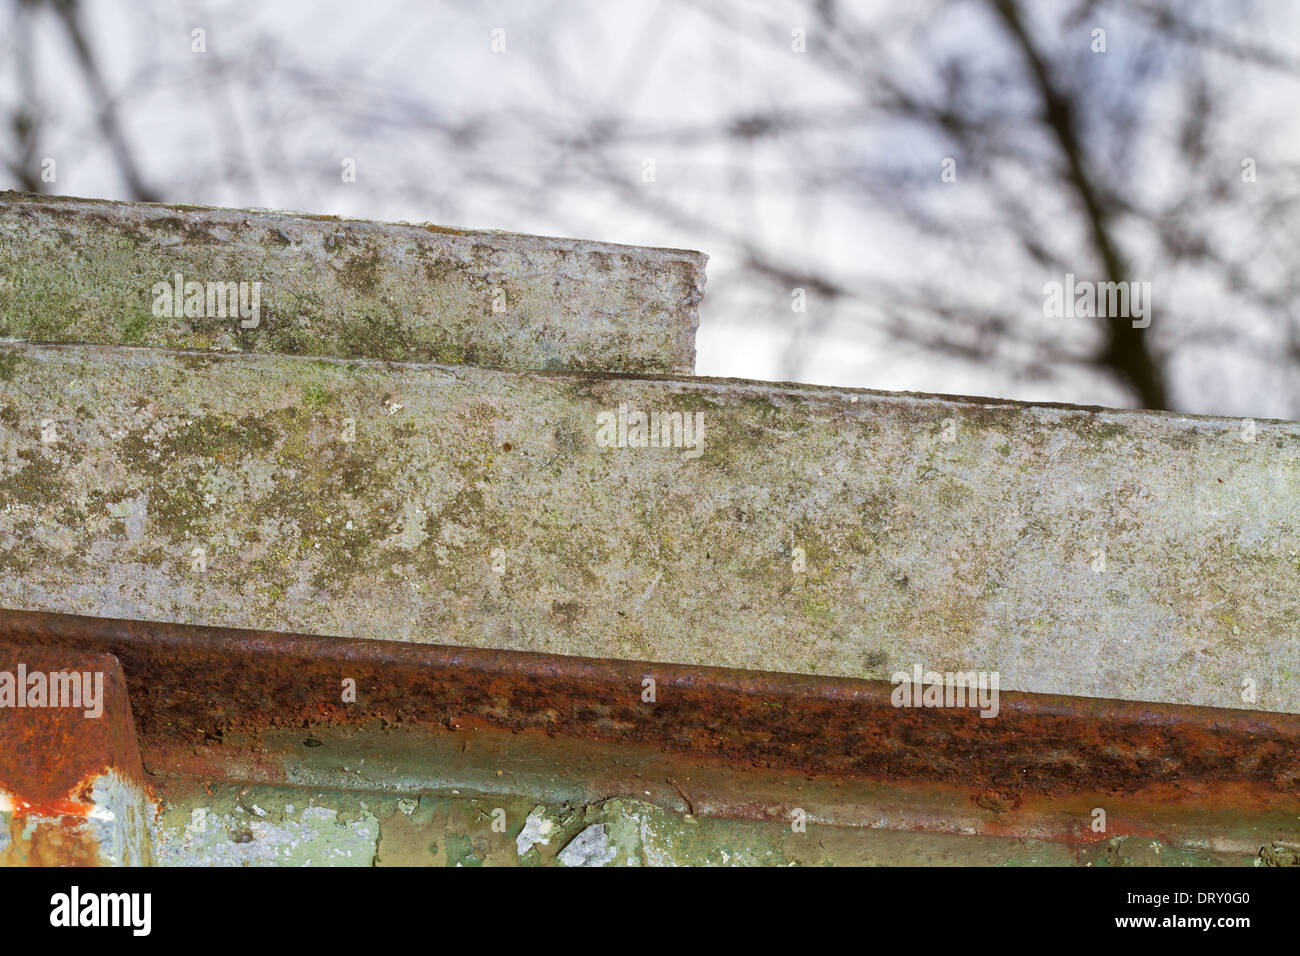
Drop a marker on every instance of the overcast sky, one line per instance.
(447, 129)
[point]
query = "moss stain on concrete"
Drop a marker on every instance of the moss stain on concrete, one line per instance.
(954, 554)
(84, 271)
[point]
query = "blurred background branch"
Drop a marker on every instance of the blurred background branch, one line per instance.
(802, 144)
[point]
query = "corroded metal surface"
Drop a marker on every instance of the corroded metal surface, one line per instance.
(78, 270)
(831, 531)
(71, 781)
(192, 685)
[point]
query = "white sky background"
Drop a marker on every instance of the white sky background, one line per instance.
(444, 130)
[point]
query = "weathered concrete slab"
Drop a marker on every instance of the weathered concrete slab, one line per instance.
(71, 784)
(1098, 553)
(76, 270)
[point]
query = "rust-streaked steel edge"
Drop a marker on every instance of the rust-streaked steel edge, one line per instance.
(193, 684)
(70, 780)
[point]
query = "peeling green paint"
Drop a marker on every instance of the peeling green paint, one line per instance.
(259, 825)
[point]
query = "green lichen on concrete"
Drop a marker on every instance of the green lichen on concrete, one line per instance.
(8, 366)
(35, 482)
(474, 507)
(84, 271)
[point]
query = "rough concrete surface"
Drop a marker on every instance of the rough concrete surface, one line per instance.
(77, 270)
(831, 531)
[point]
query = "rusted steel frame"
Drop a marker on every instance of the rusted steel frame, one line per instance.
(68, 774)
(195, 685)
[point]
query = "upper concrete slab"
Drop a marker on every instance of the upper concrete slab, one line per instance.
(76, 270)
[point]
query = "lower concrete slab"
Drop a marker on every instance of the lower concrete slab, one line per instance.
(809, 530)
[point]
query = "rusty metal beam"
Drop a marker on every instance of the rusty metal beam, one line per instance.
(193, 686)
